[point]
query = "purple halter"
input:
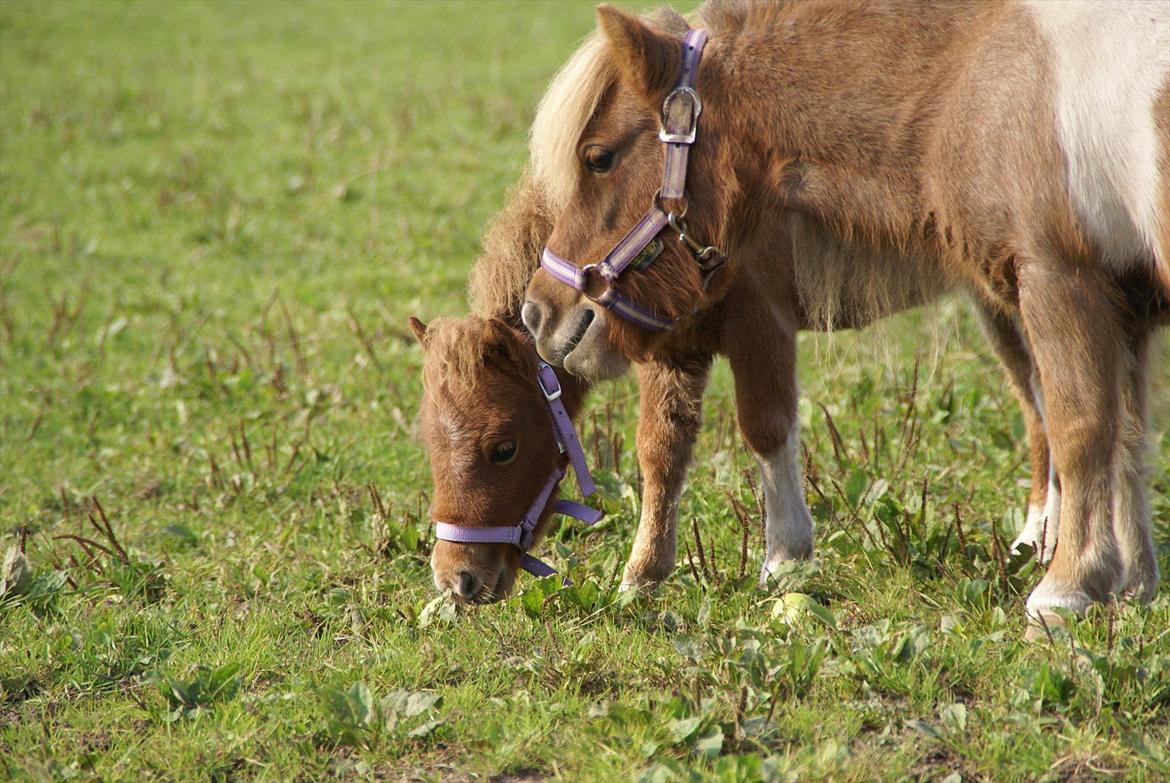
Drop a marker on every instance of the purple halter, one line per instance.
(641, 246)
(521, 536)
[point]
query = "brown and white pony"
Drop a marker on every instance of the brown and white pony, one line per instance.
(854, 159)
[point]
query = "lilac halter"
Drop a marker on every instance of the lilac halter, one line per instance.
(521, 535)
(641, 246)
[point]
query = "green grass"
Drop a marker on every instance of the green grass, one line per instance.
(215, 220)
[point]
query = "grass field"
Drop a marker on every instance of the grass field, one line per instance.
(215, 220)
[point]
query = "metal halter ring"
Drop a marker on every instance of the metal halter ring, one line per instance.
(699, 251)
(686, 204)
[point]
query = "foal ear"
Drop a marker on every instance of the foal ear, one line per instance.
(420, 331)
(502, 344)
(647, 59)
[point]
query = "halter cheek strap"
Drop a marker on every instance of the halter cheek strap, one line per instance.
(523, 535)
(640, 247)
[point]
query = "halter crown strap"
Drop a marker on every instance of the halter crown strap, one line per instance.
(680, 117)
(523, 535)
(550, 386)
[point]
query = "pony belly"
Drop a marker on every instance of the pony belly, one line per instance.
(1109, 63)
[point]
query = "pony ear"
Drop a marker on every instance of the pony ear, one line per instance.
(420, 331)
(502, 344)
(647, 59)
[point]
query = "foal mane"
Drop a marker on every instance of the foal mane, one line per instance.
(459, 350)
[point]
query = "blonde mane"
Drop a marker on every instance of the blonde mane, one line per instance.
(565, 109)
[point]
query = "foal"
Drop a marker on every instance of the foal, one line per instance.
(876, 156)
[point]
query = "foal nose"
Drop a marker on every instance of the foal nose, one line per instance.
(468, 585)
(532, 314)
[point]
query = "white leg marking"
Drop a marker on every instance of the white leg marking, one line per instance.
(1050, 595)
(1065, 591)
(1110, 61)
(1041, 526)
(788, 530)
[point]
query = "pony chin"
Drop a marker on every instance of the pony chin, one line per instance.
(595, 356)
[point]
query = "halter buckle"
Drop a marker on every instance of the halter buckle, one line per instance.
(555, 392)
(680, 116)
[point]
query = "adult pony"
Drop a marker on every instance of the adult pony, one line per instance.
(876, 155)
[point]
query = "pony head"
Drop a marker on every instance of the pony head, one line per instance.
(492, 446)
(596, 146)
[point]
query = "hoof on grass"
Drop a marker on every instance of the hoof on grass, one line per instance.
(1041, 625)
(643, 583)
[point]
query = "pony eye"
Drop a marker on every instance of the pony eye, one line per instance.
(598, 159)
(503, 452)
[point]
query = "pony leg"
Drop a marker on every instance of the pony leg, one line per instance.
(1076, 336)
(1040, 525)
(1131, 509)
(668, 423)
(761, 349)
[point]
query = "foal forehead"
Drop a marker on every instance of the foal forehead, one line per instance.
(460, 427)
(469, 409)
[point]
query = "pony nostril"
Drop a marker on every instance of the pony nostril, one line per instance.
(531, 315)
(583, 322)
(468, 584)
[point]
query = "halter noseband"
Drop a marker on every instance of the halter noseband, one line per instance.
(523, 534)
(641, 246)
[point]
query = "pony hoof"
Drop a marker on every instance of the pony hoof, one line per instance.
(645, 588)
(1038, 532)
(1140, 582)
(1042, 624)
(1141, 588)
(779, 563)
(645, 581)
(1048, 597)
(1043, 554)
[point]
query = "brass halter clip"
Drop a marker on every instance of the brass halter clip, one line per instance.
(700, 251)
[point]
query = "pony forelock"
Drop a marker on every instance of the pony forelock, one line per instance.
(571, 99)
(564, 111)
(456, 356)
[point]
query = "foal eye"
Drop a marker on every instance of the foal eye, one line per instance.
(503, 452)
(598, 159)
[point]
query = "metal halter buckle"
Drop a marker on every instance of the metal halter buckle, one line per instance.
(688, 100)
(555, 393)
